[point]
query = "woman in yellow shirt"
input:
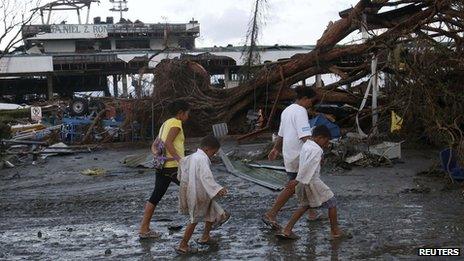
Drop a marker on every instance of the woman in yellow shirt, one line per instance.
(172, 134)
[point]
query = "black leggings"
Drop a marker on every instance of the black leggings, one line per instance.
(163, 179)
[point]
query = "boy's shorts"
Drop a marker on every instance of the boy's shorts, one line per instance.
(331, 203)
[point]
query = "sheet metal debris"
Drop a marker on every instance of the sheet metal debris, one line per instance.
(274, 180)
(265, 166)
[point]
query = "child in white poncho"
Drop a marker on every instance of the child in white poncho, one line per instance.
(198, 191)
(311, 191)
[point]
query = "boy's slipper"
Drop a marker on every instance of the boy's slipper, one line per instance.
(319, 216)
(343, 235)
(221, 222)
(273, 224)
(189, 251)
(149, 234)
(206, 243)
(282, 235)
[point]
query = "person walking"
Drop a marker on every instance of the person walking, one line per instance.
(294, 130)
(172, 134)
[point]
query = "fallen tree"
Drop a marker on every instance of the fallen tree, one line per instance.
(390, 24)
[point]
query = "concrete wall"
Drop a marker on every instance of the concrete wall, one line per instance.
(60, 46)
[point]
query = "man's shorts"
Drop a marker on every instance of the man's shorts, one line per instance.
(291, 175)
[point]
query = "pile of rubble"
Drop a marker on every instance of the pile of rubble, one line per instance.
(32, 133)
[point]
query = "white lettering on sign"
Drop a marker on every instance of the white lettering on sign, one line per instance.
(36, 114)
(75, 31)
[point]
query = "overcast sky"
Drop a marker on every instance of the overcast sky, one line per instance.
(222, 22)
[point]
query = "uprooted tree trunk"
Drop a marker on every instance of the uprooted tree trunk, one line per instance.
(176, 79)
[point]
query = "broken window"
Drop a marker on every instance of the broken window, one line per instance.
(92, 45)
(133, 44)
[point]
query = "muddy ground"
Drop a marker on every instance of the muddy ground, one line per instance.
(50, 211)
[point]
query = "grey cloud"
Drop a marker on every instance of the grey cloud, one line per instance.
(229, 27)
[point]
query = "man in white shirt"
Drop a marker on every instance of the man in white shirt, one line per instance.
(294, 130)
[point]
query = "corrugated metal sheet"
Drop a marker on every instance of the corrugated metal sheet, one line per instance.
(271, 179)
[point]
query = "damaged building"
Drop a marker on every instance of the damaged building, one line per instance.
(66, 58)
(102, 55)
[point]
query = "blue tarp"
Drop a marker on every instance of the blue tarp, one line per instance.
(320, 119)
(450, 164)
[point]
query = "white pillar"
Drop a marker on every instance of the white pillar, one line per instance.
(318, 81)
(124, 86)
(113, 44)
(226, 77)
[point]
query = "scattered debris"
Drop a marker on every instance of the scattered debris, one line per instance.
(355, 158)
(417, 190)
(271, 179)
(257, 165)
(320, 119)
(389, 150)
(144, 160)
(94, 172)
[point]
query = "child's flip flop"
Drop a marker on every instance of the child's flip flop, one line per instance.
(342, 236)
(224, 220)
(273, 224)
(149, 235)
(282, 235)
(189, 251)
(206, 243)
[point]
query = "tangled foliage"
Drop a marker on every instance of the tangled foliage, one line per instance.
(428, 91)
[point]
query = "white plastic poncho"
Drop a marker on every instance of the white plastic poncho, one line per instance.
(198, 189)
(311, 191)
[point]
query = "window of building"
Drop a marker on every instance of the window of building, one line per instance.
(92, 45)
(133, 44)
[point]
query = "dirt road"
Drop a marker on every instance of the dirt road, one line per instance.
(51, 212)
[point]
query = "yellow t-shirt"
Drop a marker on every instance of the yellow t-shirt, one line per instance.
(178, 141)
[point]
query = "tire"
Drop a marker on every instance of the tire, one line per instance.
(79, 107)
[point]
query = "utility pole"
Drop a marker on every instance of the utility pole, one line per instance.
(119, 6)
(374, 75)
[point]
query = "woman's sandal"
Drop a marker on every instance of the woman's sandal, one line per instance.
(189, 251)
(273, 224)
(282, 235)
(150, 234)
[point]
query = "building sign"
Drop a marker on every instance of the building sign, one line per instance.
(25, 64)
(75, 31)
(36, 114)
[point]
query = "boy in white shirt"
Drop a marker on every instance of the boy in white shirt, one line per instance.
(198, 191)
(310, 190)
